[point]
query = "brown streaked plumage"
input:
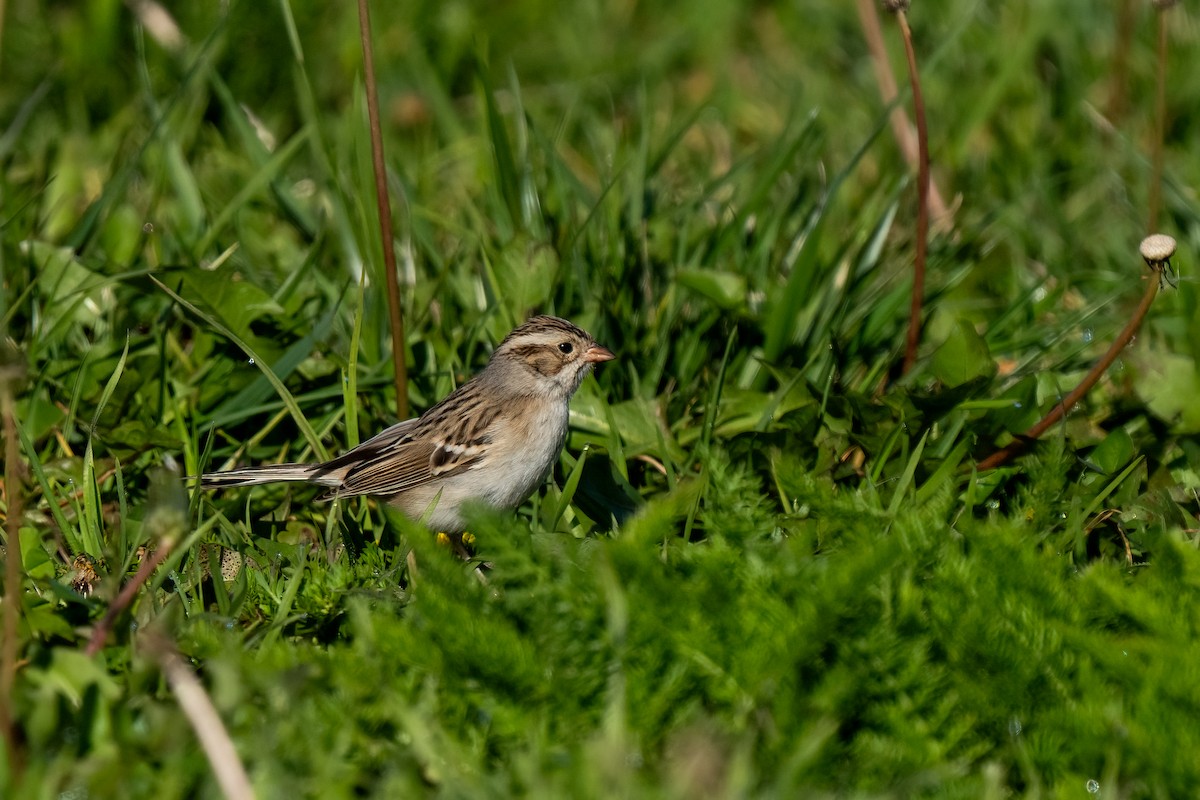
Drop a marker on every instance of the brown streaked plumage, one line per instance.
(491, 441)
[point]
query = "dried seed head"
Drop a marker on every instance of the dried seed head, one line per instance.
(1157, 248)
(896, 6)
(85, 577)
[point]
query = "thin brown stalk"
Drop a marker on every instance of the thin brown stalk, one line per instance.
(384, 205)
(902, 128)
(14, 489)
(1018, 445)
(1160, 125)
(1118, 91)
(196, 705)
(918, 290)
(126, 595)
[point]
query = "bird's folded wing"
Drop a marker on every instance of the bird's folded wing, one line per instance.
(389, 471)
(395, 461)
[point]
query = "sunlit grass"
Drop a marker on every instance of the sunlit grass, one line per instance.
(764, 565)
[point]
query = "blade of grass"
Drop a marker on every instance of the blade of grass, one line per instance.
(945, 471)
(288, 400)
(111, 385)
(123, 550)
(350, 384)
(256, 392)
(81, 235)
(253, 146)
(507, 181)
(779, 322)
(92, 520)
(12, 133)
(186, 191)
(1111, 487)
(710, 423)
(35, 465)
(298, 569)
(906, 478)
(616, 448)
(569, 488)
(261, 179)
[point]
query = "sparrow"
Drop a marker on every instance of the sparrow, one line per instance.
(491, 441)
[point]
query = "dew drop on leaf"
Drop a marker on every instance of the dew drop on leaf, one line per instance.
(250, 361)
(1093, 786)
(1014, 727)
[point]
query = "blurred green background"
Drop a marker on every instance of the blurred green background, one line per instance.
(764, 567)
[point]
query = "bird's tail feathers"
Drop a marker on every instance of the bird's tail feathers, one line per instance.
(268, 473)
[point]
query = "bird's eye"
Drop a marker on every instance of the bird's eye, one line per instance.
(565, 347)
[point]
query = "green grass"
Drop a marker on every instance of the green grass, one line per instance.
(762, 568)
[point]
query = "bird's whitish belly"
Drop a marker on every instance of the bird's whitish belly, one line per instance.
(537, 441)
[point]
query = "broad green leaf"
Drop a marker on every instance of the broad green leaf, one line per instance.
(963, 357)
(727, 290)
(1114, 452)
(237, 302)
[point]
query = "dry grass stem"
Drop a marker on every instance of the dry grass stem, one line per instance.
(196, 705)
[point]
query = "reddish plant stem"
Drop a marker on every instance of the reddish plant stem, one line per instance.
(918, 291)
(13, 487)
(395, 314)
(1017, 446)
(902, 129)
(126, 595)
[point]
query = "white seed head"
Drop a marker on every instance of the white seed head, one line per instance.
(1157, 248)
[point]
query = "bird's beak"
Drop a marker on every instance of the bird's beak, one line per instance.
(597, 353)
